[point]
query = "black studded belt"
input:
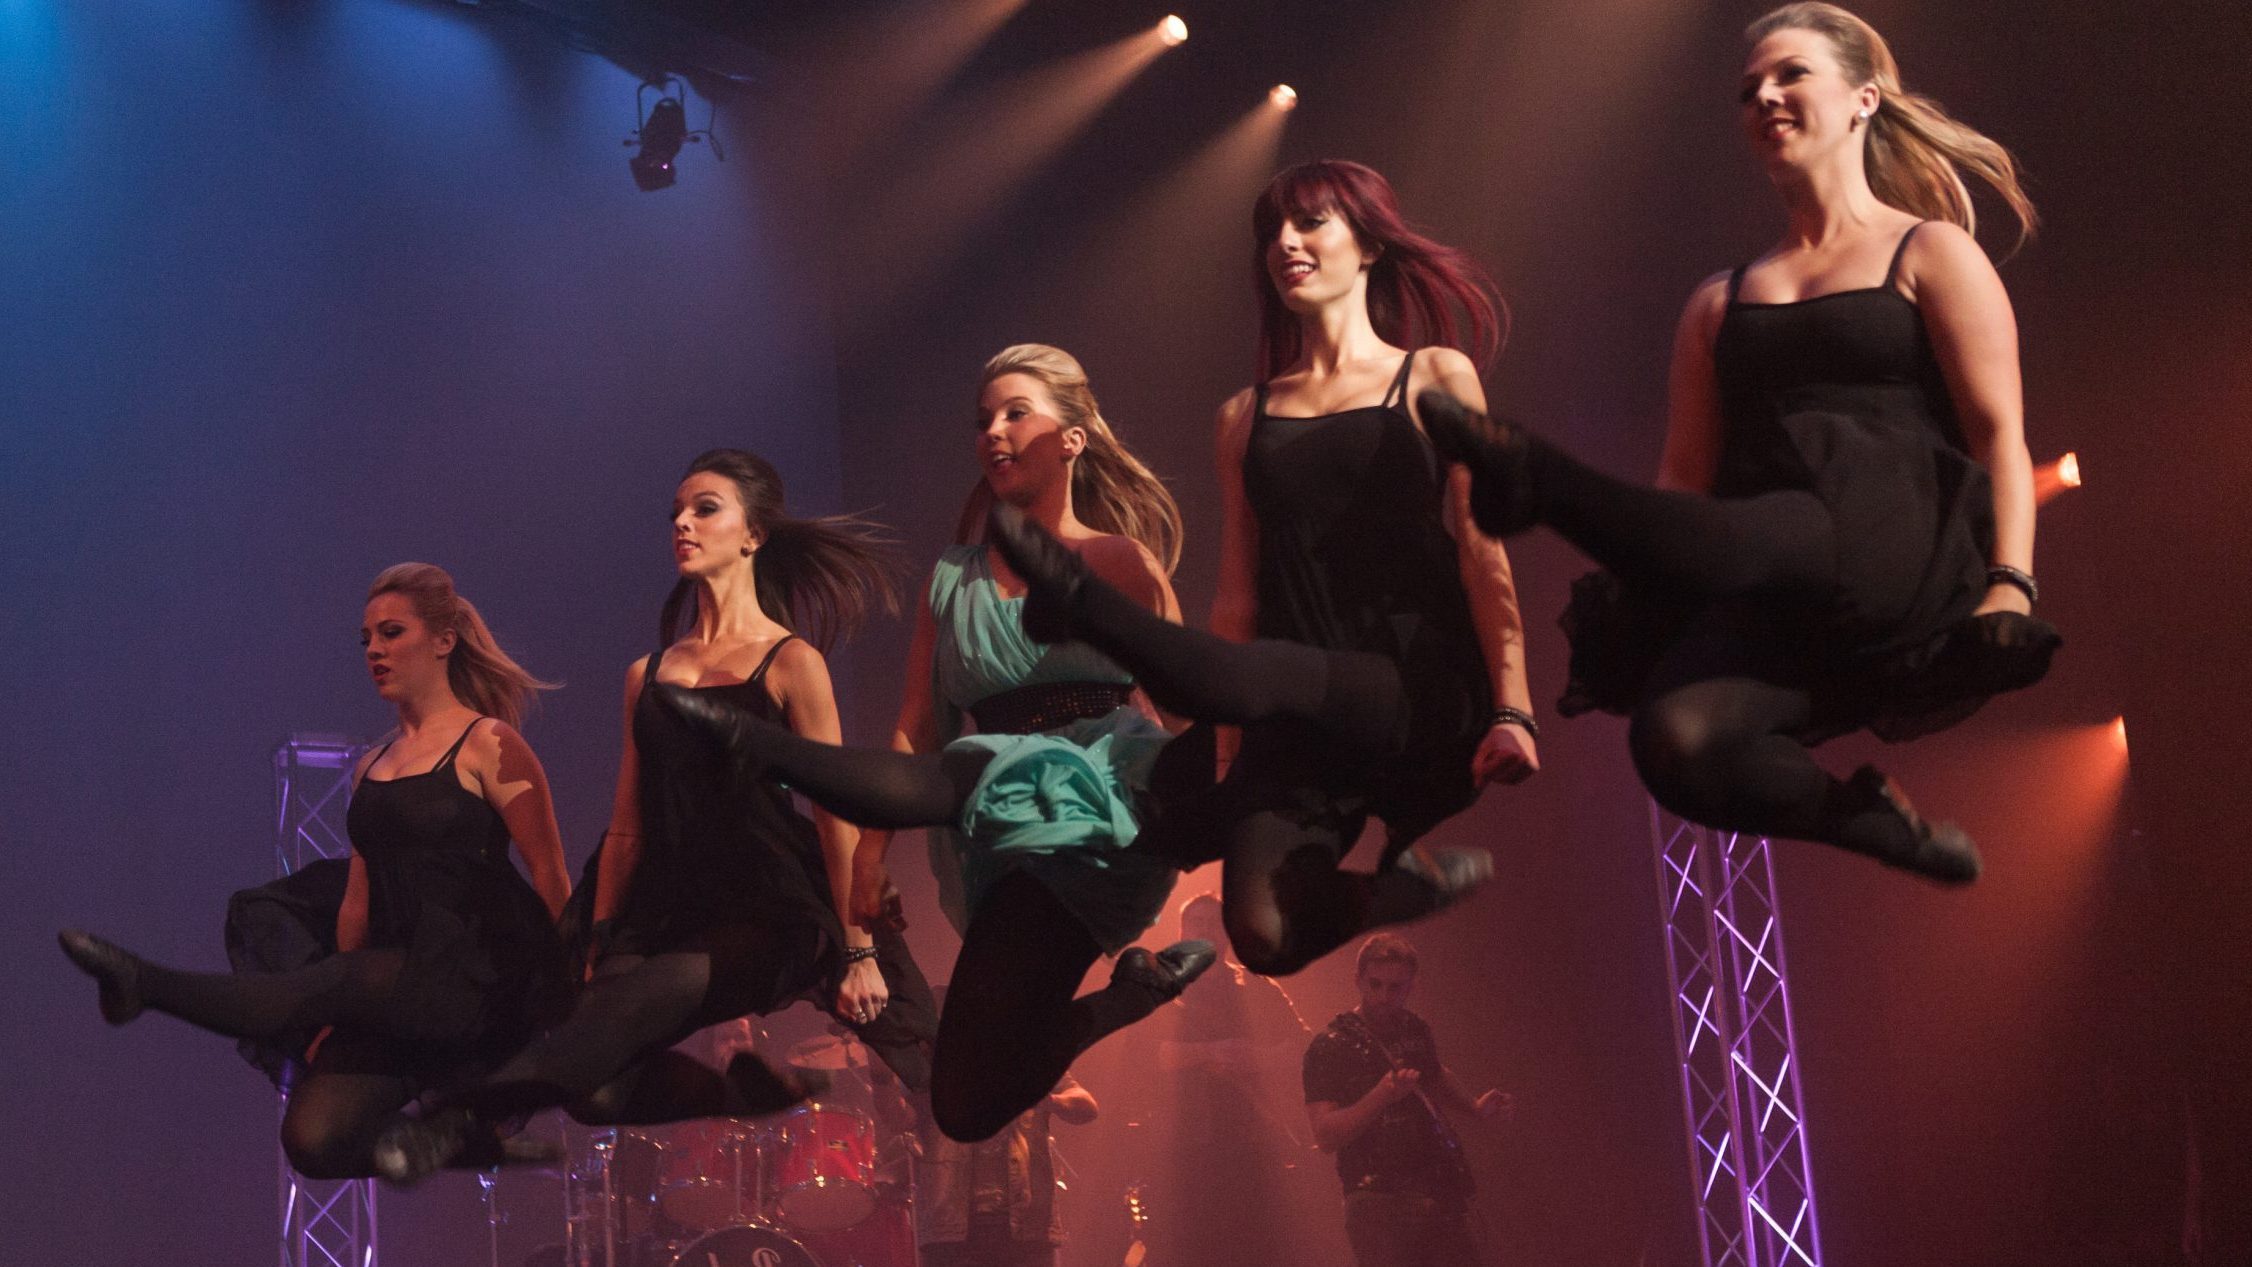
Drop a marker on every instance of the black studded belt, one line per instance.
(1047, 705)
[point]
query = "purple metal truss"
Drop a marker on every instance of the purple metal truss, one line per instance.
(324, 1223)
(1753, 1183)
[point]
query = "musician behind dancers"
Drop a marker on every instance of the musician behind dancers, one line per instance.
(995, 1203)
(1375, 1092)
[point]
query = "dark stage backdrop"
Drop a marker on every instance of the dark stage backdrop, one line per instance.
(293, 292)
(298, 291)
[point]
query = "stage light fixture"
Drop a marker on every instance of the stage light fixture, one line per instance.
(1173, 30)
(2119, 733)
(661, 131)
(1283, 97)
(2051, 478)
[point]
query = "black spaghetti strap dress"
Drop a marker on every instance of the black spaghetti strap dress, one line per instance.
(1842, 396)
(727, 861)
(484, 969)
(1354, 556)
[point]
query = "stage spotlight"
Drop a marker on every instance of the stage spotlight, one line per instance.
(2119, 733)
(2051, 478)
(663, 129)
(1173, 30)
(1283, 97)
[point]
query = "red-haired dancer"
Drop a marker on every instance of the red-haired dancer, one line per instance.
(446, 959)
(1370, 645)
(1842, 533)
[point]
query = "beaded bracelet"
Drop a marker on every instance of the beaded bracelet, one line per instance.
(2004, 574)
(854, 954)
(1514, 717)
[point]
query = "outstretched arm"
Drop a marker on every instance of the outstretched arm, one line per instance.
(516, 786)
(800, 684)
(1974, 334)
(1507, 754)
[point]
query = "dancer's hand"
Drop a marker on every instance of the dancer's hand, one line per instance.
(1506, 755)
(876, 904)
(863, 994)
(1495, 1104)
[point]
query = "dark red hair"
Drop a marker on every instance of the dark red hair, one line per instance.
(1421, 292)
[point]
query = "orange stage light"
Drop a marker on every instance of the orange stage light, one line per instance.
(2051, 478)
(1173, 30)
(1283, 97)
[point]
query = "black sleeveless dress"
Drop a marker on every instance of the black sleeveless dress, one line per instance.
(1842, 396)
(484, 968)
(727, 861)
(1354, 556)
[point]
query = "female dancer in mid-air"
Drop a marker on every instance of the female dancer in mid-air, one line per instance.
(1387, 677)
(1842, 533)
(714, 897)
(1051, 793)
(446, 959)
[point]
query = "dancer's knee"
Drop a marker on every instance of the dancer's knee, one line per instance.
(1681, 754)
(319, 1148)
(962, 1113)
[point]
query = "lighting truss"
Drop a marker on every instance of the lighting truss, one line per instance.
(324, 1223)
(1752, 1180)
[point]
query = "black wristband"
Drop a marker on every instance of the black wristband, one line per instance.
(1506, 716)
(2004, 574)
(854, 954)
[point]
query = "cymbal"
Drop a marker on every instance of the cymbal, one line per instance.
(830, 1054)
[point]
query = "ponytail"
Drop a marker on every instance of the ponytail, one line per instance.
(482, 676)
(819, 577)
(1916, 152)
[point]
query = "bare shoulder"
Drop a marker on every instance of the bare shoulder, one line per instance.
(797, 661)
(1235, 411)
(1707, 304)
(1116, 556)
(635, 672)
(1446, 362)
(1944, 251)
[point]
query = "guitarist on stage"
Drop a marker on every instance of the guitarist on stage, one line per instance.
(1377, 1096)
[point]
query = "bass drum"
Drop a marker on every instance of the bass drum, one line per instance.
(745, 1247)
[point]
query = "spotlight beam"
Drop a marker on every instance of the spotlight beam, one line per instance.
(912, 225)
(872, 75)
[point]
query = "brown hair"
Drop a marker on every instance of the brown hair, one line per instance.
(1384, 948)
(1111, 489)
(481, 674)
(819, 577)
(1916, 152)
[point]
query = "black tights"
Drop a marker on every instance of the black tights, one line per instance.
(1012, 1026)
(340, 1104)
(610, 1061)
(1712, 738)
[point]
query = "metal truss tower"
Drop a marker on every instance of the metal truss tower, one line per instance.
(1754, 1185)
(324, 1223)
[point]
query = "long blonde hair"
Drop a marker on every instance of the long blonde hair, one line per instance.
(1111, 490)
(481, 674)
(1916, 152)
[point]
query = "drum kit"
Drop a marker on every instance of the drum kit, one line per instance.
(817, 1186)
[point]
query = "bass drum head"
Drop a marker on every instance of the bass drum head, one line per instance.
(745, 1247)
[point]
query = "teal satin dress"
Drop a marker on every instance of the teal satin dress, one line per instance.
(1064, 805)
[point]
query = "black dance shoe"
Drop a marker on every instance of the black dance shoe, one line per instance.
(765, 1089)
(1052, 573)
(726, 726)
(411, 1149)
(1498, 453)
(1453, 874)
(1942, 852)
(1169, 971)
(115, 970)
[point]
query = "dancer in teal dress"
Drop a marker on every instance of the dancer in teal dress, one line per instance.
(1044, 802)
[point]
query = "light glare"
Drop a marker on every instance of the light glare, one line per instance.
(1173, 30)
(1283, 96)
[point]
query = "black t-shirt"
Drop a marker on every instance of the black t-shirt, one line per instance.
(1407, 1148)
